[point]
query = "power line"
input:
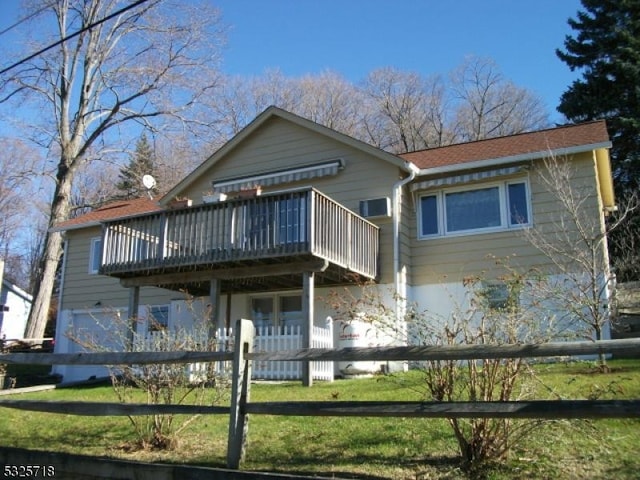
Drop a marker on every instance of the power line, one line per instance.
(69, 37)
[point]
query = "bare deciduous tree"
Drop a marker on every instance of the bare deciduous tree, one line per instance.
(574, 240)
(394, 110)
(405, 112)
(489, 105)
(17, 162)
(151, 62)
(13, 182)
(329, 100)
(326, 98)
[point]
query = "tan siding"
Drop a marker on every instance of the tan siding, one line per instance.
(406, 232)
(280, 144)
(275, 146)
(452, 258)
(84, 290)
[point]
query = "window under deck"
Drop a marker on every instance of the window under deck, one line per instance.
(259, 243)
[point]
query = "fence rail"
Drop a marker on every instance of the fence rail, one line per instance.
(243, 357)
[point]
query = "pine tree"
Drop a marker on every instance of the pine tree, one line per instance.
(606, 50)
(142, 163)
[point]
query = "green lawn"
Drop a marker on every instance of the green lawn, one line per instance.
(393, 448)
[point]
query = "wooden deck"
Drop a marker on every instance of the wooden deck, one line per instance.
(242, 241)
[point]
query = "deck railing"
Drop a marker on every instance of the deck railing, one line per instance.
(292, 223)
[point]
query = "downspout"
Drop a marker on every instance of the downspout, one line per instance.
(399, 280)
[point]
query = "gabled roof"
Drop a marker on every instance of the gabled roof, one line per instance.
(10, 287)
(262, 119)
(562, 140)
(118, 209)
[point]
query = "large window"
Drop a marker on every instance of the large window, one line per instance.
(459, 211)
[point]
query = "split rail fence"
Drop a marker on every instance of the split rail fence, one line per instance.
(243, 357)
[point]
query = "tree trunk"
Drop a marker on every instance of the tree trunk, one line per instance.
(39, 313)
(50, 257)
(602, 358)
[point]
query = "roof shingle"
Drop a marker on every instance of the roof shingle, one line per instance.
(591, 133)
(118, 209)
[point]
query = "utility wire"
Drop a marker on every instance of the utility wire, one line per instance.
(69, 37)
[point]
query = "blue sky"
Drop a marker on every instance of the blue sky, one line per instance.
(354, 37)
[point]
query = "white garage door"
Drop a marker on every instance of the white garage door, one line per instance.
(85, 331)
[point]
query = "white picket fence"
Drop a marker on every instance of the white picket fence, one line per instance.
(270, 339)
(267, 339)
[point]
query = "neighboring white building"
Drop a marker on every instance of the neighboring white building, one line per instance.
(15, 304)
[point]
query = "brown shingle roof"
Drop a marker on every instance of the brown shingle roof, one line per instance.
(564, 137)
(121, 208)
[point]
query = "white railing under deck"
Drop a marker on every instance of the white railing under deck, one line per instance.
(272, 339)
(267, 339)
(291, 223)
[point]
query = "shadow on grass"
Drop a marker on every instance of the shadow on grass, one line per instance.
(19, 376)
(627, 469)
(67, 434)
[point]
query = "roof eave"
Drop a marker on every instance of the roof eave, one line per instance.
(492, 162)
(98, 223)
(17, 290)
(78, 226)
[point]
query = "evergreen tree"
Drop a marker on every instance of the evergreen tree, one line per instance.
(142, 163)
(606, 50)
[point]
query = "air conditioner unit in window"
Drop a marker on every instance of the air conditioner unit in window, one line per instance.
(375, 207)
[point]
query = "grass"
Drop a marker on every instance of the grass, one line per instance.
(369, 448)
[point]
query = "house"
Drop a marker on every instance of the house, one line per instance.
(15, 304)
(332, 211)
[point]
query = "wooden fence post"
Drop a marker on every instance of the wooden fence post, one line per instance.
(241, 382)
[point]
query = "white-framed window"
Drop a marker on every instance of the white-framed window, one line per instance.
(496, 295)
(95, 255)
(482, 208)
(157, 317)
(278, 310)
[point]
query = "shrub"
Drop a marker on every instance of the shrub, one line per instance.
(505, 311)
(196, 384)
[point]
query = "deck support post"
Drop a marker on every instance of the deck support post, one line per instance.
(308, 284)
(214, 302)
(134, 303)
(240, 390)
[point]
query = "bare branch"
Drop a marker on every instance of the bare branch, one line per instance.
(144, 66)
